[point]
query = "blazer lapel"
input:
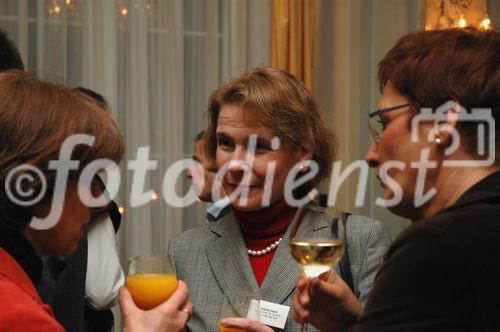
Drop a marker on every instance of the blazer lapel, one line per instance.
(284, 272)
(228, 258)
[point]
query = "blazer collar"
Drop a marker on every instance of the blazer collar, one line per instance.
(228, 258)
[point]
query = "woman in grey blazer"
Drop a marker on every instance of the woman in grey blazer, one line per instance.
(265, 132)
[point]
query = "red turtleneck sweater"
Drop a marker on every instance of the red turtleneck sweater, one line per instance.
(262, 228)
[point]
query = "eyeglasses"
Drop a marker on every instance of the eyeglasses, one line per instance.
(377, 124)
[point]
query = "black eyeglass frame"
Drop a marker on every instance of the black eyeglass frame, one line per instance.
(375, 134)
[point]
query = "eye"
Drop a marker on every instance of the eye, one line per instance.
(225, 144)
(383, 122)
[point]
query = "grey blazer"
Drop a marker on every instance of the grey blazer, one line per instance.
(213, 260)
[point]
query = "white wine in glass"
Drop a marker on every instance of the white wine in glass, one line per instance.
(316, 256)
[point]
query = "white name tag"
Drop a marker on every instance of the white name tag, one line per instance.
(273, 314)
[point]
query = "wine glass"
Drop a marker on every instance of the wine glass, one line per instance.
(243, 305)
(150, 280)
(316, 255)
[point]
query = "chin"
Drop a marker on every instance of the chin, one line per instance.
(251, 205)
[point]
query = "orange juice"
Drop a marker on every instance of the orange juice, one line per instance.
(151, 289)
(228, 329)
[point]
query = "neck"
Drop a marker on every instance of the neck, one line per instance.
(451, 184)
(31, 236)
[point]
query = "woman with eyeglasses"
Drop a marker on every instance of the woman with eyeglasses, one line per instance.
(439, 169)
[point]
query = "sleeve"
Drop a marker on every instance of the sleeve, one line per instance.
(105, 276)
(377, 243)
(425, 284)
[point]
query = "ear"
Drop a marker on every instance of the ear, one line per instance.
(306, 154)
(444, 132)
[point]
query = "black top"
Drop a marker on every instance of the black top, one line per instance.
(443, 272)
(22, 251)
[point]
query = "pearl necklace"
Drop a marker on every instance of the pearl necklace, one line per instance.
(266, 250)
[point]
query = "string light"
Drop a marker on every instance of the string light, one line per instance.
(485, 24)
(124, 11)
(68, 2)
(154, 196)
(462, 23)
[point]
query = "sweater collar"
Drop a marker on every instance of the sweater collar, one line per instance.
(265, 222)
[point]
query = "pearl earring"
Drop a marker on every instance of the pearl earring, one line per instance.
(438, 140)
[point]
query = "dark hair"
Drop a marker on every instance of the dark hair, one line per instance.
(282, 104)
(36, 117)
(98, 98)
(199, 136)
(430, 68)
(9, 55)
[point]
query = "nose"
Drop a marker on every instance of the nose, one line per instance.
(371, 156)
(238, 165)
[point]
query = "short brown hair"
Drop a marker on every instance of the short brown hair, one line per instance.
(36, 117)
(430, 68)
(279, 102)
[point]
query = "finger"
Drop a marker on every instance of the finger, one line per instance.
(127, 304)
(179, 297)
(304, 296)
(300, 313)
(186, 312)
(246, 324)
(329, 276)
(336, 291)
(188, 308)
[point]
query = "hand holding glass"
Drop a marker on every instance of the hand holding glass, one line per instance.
(151, 280)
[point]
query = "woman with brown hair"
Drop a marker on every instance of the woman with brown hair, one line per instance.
(37, 119)
(247, 250)
(441, 274)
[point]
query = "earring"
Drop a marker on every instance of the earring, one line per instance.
(438, 140)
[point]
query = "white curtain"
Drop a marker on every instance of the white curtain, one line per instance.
(156, 62)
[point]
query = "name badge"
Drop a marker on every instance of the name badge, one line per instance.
(273, 314)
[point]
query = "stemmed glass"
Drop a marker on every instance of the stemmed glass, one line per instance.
(316, 255)
(150, 280)
(245, 305)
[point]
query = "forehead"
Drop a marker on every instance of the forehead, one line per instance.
(234, 120)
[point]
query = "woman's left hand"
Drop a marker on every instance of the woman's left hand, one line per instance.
(245, 324)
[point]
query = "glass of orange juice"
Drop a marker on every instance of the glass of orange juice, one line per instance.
(150, 280)
(241, 305)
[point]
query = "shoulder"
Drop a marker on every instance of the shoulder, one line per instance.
(35, 315)
(363, 227)
(192, 241)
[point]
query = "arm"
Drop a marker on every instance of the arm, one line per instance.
(374, 244)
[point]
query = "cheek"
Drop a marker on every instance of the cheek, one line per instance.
(221, 158)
